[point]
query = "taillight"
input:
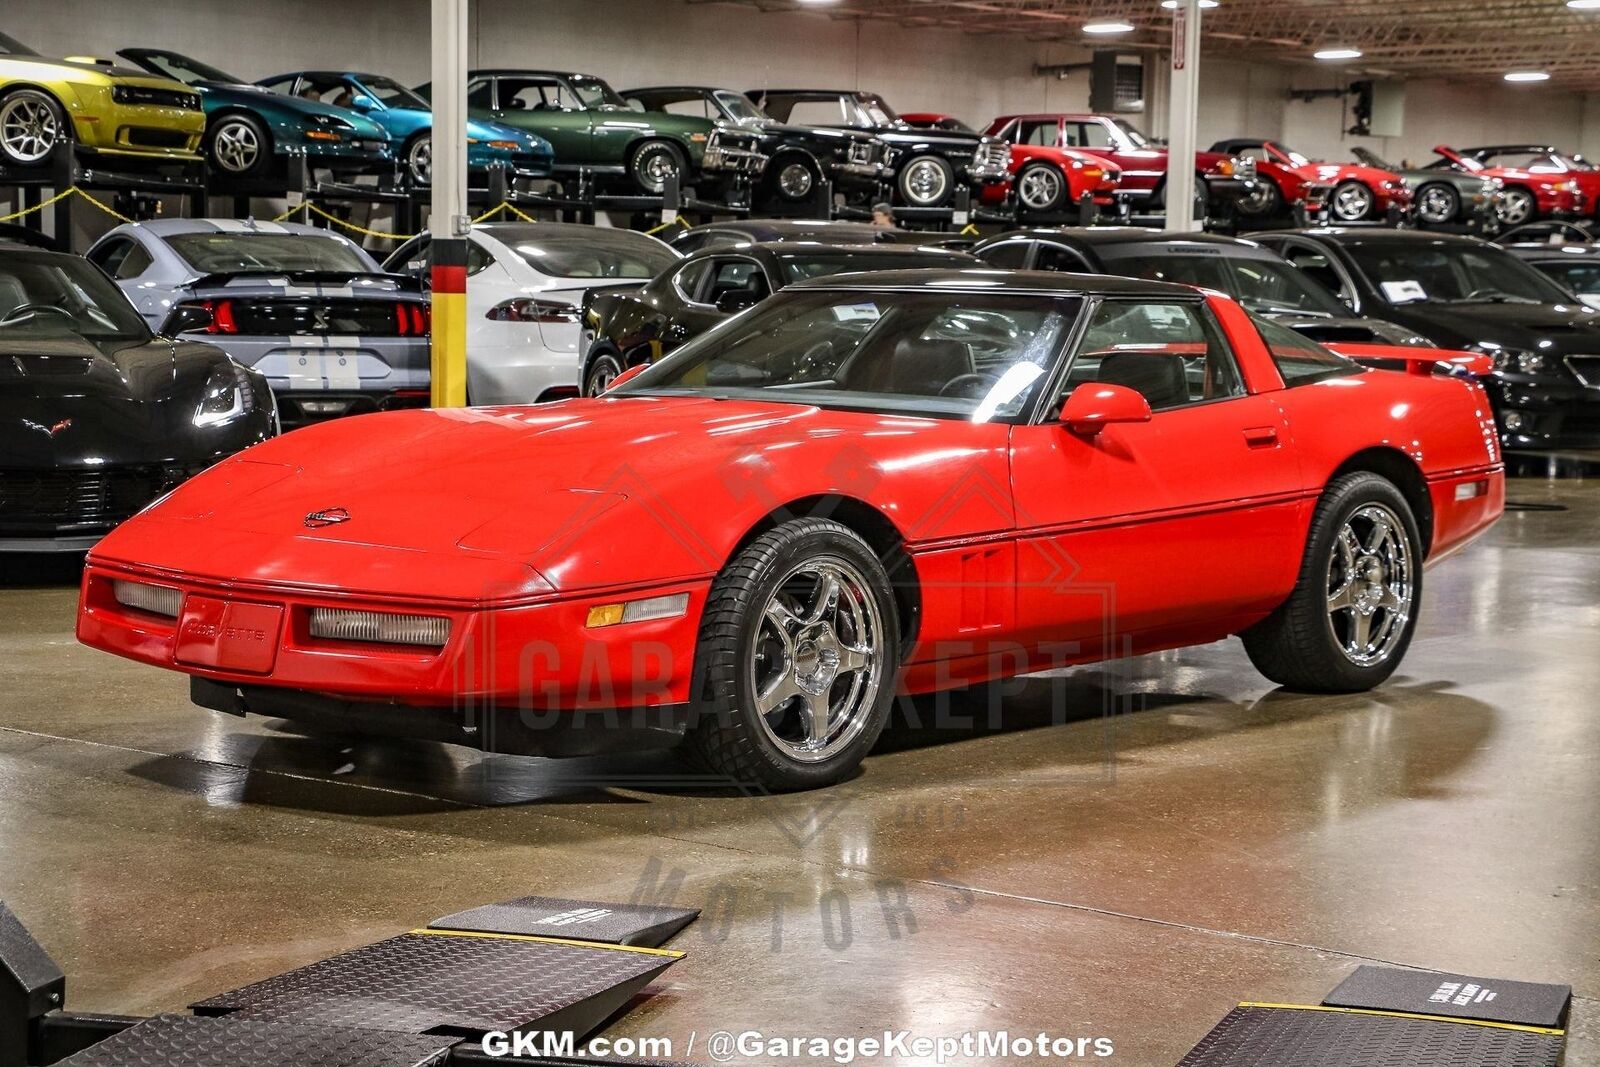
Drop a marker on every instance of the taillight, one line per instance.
(528, 309)
(411, 320)
(222, 320)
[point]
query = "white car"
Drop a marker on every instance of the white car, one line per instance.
(526, 283)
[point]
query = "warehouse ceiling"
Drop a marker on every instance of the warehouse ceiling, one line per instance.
(1441, 38)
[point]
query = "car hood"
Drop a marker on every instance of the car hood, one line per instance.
(1561, 328)
(66, 400)
(553, 497)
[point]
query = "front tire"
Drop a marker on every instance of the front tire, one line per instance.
(797, 659)
(1041, 187)
(32, 125)
(418, 155)
(652, 162)
(1351, 202)
(1351, 616)
(1264, 201)
(926, 181)
(1517, 206)
(791, 180)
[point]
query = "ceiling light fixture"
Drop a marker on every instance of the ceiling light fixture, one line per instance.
(1584, 5)
(1107, 27)
(1207, 4)
(1527, 76)
(1338, 53)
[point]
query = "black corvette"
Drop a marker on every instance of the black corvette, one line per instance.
(799, 157)
(622, 330)
(1464, 293)
(827, 231)
(927, 165)
(1255, 276)
(98, 417)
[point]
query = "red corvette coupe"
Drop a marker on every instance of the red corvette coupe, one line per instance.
(908, 480)
(1044, 177)
(1351, 191)
(1527, 195)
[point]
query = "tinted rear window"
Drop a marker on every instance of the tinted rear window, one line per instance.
(1301, 360)
(221, 253)
(599, 255)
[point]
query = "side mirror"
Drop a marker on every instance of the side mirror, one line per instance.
(362, 102)
(187, 318)
(630, 373)
(1093, 406)
(736, 300)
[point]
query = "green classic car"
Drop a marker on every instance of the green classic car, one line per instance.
(592, 129)
(1441, 196)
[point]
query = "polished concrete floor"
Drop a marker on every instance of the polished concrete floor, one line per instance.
(1188, 839)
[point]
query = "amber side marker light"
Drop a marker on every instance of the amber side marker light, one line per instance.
(656, 607)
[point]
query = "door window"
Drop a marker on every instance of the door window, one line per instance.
(1054, 257)
(480, 94)
(1319, 268)
(1009, 255)
(1173, 354)
(736, 275)
(1087, 135)
(690, 280)
(1043, 132)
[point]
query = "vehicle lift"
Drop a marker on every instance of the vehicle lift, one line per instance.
(424, 998)
(133, 192)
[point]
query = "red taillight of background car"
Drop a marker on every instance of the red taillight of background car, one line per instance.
(529, 309)
(412, 320)
(222, 320)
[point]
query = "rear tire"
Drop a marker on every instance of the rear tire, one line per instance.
(1264, 201)
(1437, 203)
(1351, 202)
(1351, 616)
(32, 126)
(1041, 187)
(1517, 206)
(791, 180)
(602, 369)
(652, 161)
(797, 659)
(418, 158)
(925, 181)
(239, 146)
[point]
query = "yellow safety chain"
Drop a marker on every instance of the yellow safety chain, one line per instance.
(679, 220)
(970, 230)
(73, 191)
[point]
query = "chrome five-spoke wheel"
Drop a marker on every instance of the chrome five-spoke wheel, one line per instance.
(1370, 587)
(818, 660)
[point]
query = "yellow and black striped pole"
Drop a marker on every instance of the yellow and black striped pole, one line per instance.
(447, 221)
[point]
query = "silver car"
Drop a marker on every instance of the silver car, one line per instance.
(309, 309)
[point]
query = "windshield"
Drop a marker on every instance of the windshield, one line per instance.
(1259, 283)
(1132, 133)
(391, 93)
(48, 294)
(1578, 275)
(1295, 158)
(877, 109)
(738, 107)
(802, 265)
(979, 357)
(224, 253)
(593, 92)
(10, 46)
(1450, 273)
(186, 70)
(618, 254)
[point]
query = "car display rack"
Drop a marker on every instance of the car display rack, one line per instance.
(133, 191)
(424, 998)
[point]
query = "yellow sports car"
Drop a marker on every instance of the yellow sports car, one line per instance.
(101, 110)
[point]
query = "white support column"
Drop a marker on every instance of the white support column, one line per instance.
(1183, 116)
(448, 222)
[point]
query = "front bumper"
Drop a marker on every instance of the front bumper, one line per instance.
(530, 652)
(69, 508)
(1545, 417)
(318, 365)
(141, 131)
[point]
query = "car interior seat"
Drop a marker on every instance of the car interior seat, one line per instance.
(1160, 379)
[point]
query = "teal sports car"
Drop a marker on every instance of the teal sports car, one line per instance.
(251, 131)
(409, 120)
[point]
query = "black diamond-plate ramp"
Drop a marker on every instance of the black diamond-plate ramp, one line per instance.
(1255, 1036)
(188, 1041)
(453, 983)
(581, 920)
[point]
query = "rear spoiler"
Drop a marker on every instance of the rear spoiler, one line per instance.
(1416, 360)
(221, 280)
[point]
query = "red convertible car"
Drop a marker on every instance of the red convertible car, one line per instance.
(1350, 191)
(902, 481)
(1526, 195)
(1044, 176)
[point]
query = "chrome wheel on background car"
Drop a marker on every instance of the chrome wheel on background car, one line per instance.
(1040, 187)
(1351, 202)
(1437, 203)
(653, 163)
(603, 370)
(1369, 585)
(926, 181)
(419, 160)
(797, 658)
(238, 145)
(794, 180)
(817, 661)
(1516, 207)
(30, 127)
(1264, 199)
(1348, 621)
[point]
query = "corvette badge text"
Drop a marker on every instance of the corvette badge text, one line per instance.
(725, 1046)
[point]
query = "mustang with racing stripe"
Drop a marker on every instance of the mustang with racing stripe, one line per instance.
(908, 480)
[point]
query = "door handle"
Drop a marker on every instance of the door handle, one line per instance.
(1261, 436)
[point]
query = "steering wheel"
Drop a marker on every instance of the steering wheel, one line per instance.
(33, 309)
(963, 385)
(1483, 294)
